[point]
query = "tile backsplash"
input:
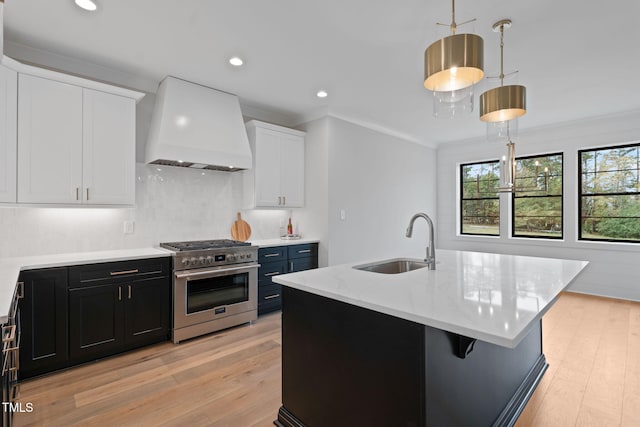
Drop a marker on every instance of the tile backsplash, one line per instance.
(171, 204)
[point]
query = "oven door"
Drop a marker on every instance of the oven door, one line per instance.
(207, 294)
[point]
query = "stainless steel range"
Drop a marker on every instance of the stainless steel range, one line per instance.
(215, 286)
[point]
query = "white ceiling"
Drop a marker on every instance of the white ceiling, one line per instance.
(577, 58)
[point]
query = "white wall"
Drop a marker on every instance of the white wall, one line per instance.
(380, 181)
(613, 269)
(1, 28)
(314, 217)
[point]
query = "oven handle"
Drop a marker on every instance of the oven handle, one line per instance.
(200, 273)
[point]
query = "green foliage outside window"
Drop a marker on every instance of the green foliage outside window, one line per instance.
(537, 205)
(610, 193)
(480, 205)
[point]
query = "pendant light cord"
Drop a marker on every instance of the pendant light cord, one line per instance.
(453, 17)
(502, 55)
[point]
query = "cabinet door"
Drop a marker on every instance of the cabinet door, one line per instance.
(292, 170)
(148, 309)
(96, 321)
(44, 311)
(302, 264)
(267, 171)
(49, 141)
(8, 133)
(109, 133)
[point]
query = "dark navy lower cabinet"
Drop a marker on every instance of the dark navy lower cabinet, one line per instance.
(75, 314)
(44, 321)
(116, 307)
(344, 365)
(280, 260)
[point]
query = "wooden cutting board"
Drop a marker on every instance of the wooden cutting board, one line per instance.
(240, 230)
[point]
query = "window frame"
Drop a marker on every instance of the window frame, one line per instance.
(461, 199)
(581, 195)
(561, 196)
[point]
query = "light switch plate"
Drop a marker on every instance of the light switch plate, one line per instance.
(128, 227)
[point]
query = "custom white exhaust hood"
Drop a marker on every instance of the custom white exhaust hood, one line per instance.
(198, 127)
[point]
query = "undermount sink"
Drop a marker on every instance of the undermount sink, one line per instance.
(393, 266)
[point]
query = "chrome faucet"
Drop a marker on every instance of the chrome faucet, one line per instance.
(431, 249)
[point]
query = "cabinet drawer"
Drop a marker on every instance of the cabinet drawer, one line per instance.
(306, 250)
(114, 272)
(269, 298)
(301, 264)
(278, 253)
(269, 292)
(268, 270)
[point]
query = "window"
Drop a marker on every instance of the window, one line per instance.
(609, 193)
(479, 204)
(537, 205)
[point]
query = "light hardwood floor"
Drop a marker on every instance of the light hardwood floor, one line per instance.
(232, 378)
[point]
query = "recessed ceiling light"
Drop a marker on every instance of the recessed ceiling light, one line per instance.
(236, 61)
(86, 4)
(322, 94)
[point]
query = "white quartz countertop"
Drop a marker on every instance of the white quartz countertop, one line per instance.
(491, 297)
(269, 243)
(10, 268)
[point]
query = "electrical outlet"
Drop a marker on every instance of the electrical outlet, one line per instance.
(128, 227)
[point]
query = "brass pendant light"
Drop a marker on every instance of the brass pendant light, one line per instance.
(504, 102)
(454, 62)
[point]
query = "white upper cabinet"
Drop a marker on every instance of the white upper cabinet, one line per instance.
(292, 169)
(109, 149)
(49, 141)
(75, 145)
(277, 177)
(8, 134)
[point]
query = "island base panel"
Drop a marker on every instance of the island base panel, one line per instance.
(344, 365)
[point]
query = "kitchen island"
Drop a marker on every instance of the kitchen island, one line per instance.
(459, 345)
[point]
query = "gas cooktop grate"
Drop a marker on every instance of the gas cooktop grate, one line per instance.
(196, 245)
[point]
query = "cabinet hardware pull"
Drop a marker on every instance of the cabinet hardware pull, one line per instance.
(304, 251)
(275, 273)
(270, 255)
(284, 200)
(77, 193)
(10, 335)
(119, 293)
(279, 200)
(129, 291)
(291, 265)
(272, 296)
(87, 193)
(118, 273)
(20, 290)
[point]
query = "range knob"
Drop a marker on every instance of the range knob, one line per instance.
(193, 260)
(209, 260)
(201, 260)
(185, 262)
(231, 257)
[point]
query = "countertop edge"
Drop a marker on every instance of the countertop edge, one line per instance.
(10, 268)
